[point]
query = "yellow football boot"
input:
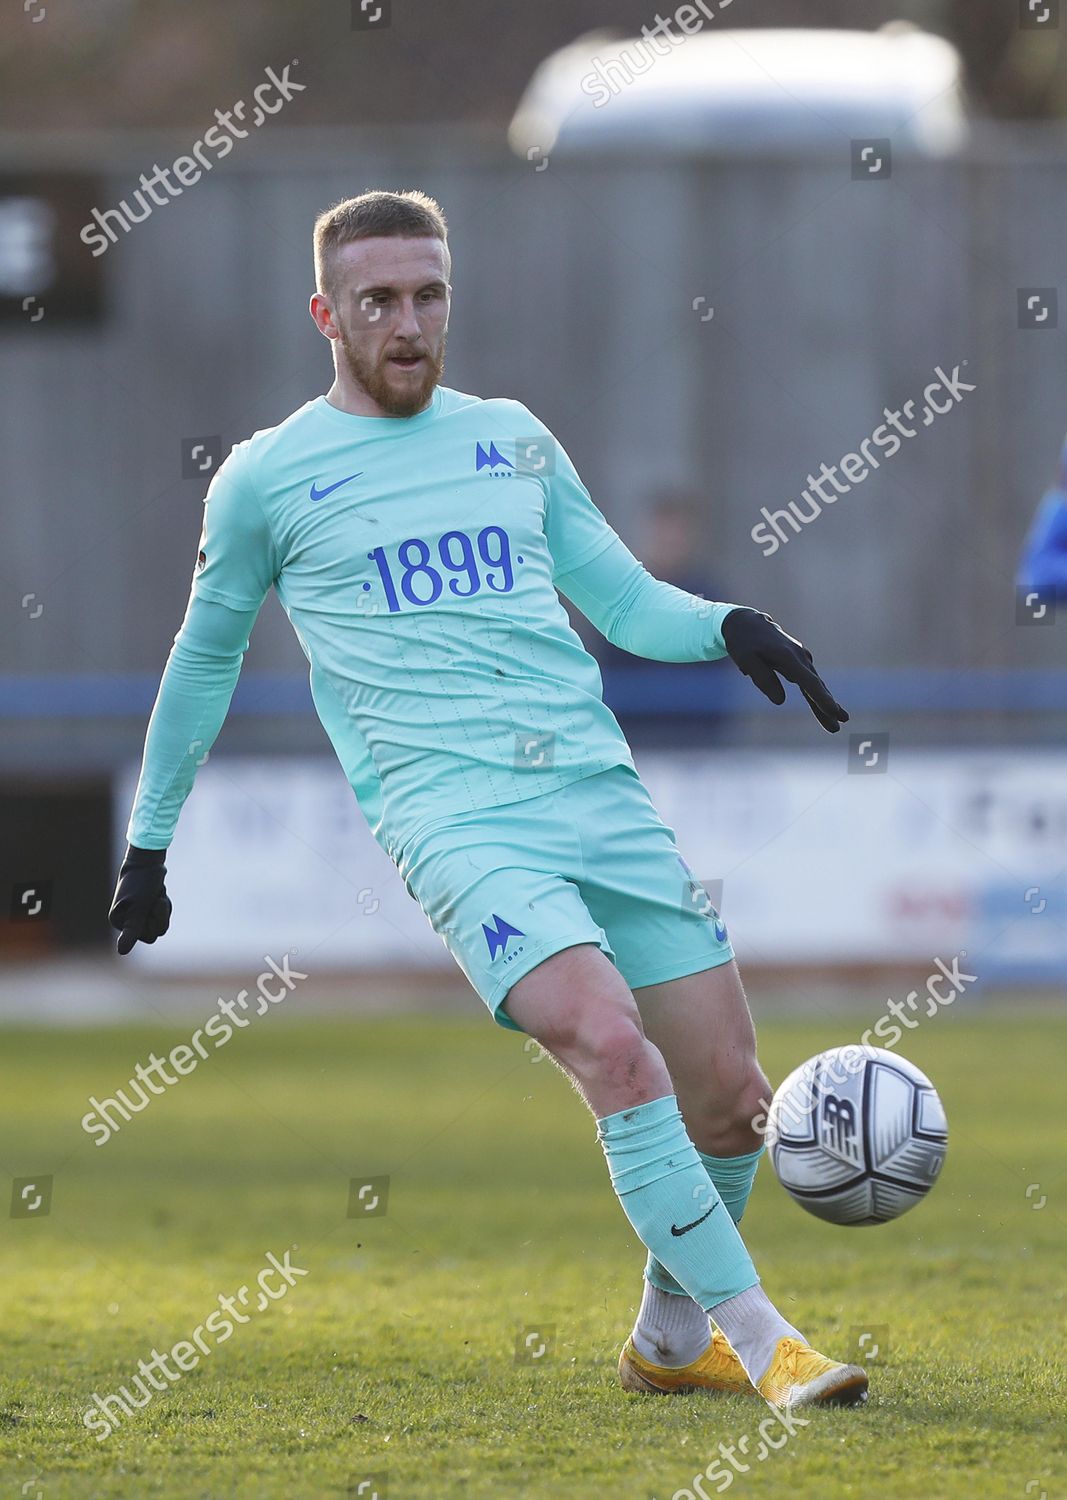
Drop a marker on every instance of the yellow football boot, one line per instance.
(798, 1376)
(717, 1369)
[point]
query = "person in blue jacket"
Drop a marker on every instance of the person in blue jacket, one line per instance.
(1043, 565)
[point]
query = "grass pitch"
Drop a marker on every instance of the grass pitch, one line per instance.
(403, 1361)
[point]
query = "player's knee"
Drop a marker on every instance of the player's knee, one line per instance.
(618, 1046)
(601, 1036)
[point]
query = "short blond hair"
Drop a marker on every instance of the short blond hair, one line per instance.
(411, 213)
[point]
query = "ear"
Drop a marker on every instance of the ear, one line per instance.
(321, 310)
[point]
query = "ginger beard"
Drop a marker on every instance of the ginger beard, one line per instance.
(398, 391)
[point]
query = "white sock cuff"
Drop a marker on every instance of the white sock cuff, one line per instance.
(670, 1330)
(670, 1311)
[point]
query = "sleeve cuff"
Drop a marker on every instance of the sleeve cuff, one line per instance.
(716, 646)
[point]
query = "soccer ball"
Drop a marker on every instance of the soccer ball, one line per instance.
(857, 1135)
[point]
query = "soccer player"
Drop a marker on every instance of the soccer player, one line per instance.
(417, 538)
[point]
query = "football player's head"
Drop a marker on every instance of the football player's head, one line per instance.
(382, 269)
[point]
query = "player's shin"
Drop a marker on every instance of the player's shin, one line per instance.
(733, 1176)
(680, 1216)
(671, 1329)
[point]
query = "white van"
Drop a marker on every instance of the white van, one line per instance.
(685, 84)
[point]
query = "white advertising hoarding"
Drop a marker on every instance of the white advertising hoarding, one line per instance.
(822, 859)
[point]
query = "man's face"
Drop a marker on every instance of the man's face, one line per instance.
(391, 314)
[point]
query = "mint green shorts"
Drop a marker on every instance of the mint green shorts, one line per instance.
(505, 887)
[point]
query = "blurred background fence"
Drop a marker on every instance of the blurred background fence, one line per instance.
(832, 299)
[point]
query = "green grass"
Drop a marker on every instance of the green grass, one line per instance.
(396, 1353)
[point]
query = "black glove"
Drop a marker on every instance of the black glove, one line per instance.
(761, 649)
(141, 908)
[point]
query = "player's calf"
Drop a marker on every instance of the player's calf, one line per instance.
(726, 1119)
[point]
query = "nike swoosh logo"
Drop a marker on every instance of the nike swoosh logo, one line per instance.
(687, 1227)
(317, 494)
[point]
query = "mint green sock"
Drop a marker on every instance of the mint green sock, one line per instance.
(672, 1203)
(733, 1176)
